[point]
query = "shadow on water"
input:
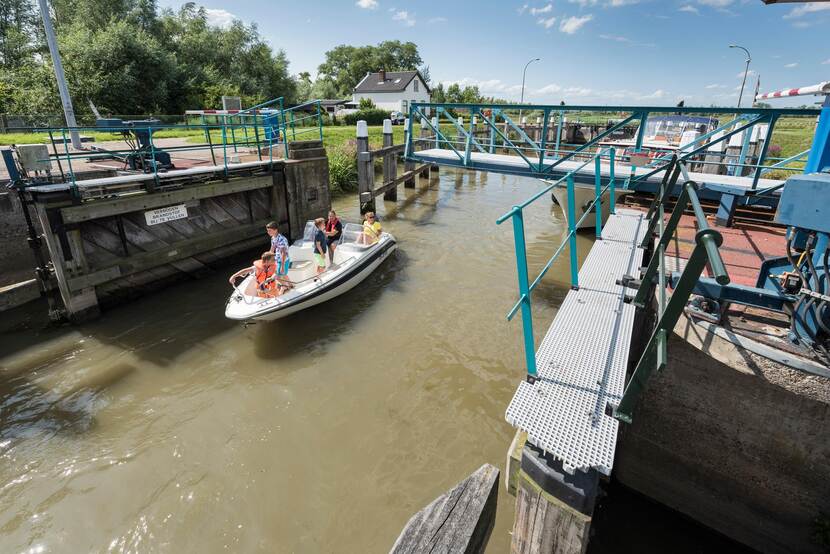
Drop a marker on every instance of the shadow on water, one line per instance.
(312, 330)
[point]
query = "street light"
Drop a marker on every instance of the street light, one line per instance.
(524, 73)
(746, 70)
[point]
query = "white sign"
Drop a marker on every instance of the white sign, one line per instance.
(169, 213)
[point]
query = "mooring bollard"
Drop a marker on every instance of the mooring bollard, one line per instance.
(365, 170)
(424, 139)
(390, 164)
(434, 168)
(407, 164)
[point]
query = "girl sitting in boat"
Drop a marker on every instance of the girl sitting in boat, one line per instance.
(265, 270)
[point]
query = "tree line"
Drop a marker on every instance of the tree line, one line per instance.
(130, 57)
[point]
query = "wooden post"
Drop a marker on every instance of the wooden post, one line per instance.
(390, 164)
(459, 520)
(433, 169)
(365, 170)
(424, 137)
(553, 508)
(407, 164)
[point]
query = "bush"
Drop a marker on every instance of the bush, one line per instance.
(343, 168)
(372, 116)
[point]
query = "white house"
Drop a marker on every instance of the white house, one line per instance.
(393, 90)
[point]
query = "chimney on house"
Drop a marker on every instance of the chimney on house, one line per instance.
(382, 73)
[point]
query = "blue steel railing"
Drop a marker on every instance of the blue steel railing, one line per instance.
(265, 125)
(516, 214)
(538, 158)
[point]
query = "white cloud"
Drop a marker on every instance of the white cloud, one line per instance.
(616, 38)
(574, 23)
(711, 87)
(749, 73)
(367, 4)
(523, 9)
(826, 62)
(584, 3)
(716, 3)
(547, 23)
(812, 7)
(539, 11)
(548, 89)
(688, 8)
(404, 17)
(620, 3)
(578, 91)
(437, 20)
(656, 95)
(219, 17)
(791, 65)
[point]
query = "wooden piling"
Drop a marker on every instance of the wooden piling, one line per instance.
(365, 170)
(408, 165)
(390, 164)
(424, 138)
(460, 520)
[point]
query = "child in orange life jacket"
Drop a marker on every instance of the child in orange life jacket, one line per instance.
(264, 270)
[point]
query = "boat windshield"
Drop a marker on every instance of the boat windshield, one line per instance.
(352, 234)
(308, 232)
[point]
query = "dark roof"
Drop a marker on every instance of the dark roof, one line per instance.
(395, 81)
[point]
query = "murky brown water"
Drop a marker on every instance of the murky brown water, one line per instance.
(164, 427)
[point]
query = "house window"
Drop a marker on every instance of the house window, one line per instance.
(416, 85)
(404, 106)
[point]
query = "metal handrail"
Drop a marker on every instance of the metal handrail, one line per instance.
(707, 242)
(516, 213)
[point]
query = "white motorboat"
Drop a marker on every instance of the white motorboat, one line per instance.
(353, 262)
(583, 201)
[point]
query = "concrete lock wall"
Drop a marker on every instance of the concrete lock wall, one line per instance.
(734, 440)
(16, 261)
(106, 250)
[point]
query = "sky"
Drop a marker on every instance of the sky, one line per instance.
(616, 52)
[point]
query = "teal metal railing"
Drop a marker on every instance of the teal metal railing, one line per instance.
(659, 233)
(516, 215)
(257, 128)
(492, 127)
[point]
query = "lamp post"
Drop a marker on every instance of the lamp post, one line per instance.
(746, 70)
(524, 73)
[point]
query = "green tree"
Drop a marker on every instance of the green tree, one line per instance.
(346, 65)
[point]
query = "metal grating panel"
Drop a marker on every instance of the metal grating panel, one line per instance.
(582, 360)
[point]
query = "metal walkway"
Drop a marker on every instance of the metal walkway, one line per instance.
(513, 164)
(581, 363)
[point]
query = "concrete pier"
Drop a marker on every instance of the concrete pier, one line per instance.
(734, 440)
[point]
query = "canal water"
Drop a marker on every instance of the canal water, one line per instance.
(164, 427)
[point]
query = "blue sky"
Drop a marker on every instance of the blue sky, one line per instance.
(592, 51)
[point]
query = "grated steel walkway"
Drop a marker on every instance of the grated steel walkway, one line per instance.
(582, 360)
(507, 163)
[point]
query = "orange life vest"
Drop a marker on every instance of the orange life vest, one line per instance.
(264, 273)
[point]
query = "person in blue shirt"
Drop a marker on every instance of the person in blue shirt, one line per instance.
(320, 245)
(279, 246)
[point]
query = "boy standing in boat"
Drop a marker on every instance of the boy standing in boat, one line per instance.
(320, 245)
(279, 247)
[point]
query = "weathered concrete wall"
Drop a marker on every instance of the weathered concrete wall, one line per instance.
(104, 250)
(307, 184)
(16, 261)
(735, 441)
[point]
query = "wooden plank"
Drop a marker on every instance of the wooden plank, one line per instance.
(460, 520)
(545, 524)
(140, 202)
(393, 149)
(398, 180)
(162, 256)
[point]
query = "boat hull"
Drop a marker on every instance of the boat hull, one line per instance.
(277, 308)
(583, 198)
